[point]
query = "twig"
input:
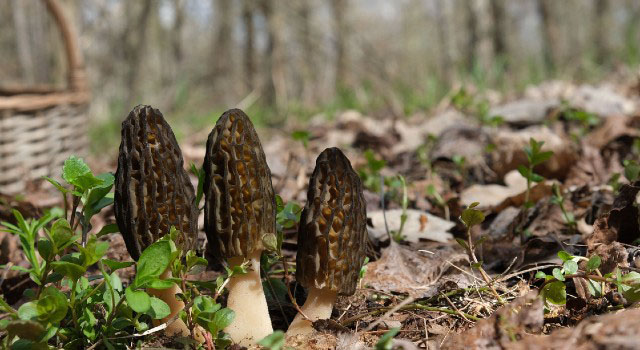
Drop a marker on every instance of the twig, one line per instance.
(288, 283)
(377, 311)
(454, 307)
(391, 310)
(483, 273)
(511, 275)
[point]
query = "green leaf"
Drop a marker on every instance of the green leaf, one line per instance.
(593, 263)
(536, 178)
(109, 300)
(302, 136)
(68, 269)
(557, 273)
(138, 300)
(631, 292)
(117, 265)
(157, 283)
(632, 171)
(107, 229)
(159, 309)
(221, 319)
(45, 249)
(274, 341)
(595, 288)
(28, 311)
(76, 172)
(542, 157)
(541, 274)
(153, 261)
(52, 305)
(524, 171)
(199, 173)
(564, 256)
(570, 267)
(555, 293)
(26, 329)
(386, 341)
(61, 233)
(93, 251)
(471, 217)
(99, 192)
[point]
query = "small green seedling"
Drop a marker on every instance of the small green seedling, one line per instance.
(370, 173)
(274, 341)
(471, 217)
(535, 156)
(302, 136)
(397, 235)
(433, 193)
(386, 340)
(558, 199)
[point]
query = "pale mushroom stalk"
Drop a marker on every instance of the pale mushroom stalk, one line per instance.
(239, 212)
(246, 298)
(318, 306)
(332, 237)
(153, 193)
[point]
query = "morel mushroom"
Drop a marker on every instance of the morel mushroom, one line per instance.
(332, 237)
(239, 212)
(153, 193)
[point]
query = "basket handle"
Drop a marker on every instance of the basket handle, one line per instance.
(77, 76)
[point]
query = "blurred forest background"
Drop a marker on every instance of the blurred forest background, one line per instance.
(289, 60)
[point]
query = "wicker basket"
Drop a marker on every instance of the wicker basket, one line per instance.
(41, 126)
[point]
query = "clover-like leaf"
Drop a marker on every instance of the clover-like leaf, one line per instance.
(138, 300)
(555, 293)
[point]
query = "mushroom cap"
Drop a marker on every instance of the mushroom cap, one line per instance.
(332, 235)
(152, 190)
(239, 204)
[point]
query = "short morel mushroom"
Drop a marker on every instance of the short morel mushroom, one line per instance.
(332, 237)
(239, 212)
(153, 193)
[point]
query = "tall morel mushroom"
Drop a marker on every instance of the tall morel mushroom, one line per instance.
(239, 212)
(153, 193)
(332, 237)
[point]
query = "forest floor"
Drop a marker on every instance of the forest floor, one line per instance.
(561, 251)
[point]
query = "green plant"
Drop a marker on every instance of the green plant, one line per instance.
(478, 107)
(631, 170)
(461, 165)
(274, 341)
(558, 199)
(535, 156)
(431, 191)
(584, 119)
(370, 173)
(471, 217)
(397, 235)
(553, 290)
(77, 308)
(302, 136)
(386, 340)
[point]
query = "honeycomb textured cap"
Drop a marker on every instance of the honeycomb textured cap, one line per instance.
(332, 235)
(153, 191)
(239, 202)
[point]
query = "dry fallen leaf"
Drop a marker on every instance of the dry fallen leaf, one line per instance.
(419, 225)
(491, 195)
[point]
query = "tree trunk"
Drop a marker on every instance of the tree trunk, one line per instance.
(308, 62)
(601, 30)
(134, 39)
(444, 37)
(339, 10)
(222, 44)
(471, 54)
(499, 33)
(248, 7)
(274, 92)
(550, 49)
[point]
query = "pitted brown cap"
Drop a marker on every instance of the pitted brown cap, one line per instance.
(239, 204)
(332, 236)
(153, 191)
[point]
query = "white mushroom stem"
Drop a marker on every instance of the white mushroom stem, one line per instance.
(168, 295)
(247, 300)
(318, 306)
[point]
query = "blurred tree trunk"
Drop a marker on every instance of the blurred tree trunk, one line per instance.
(134, 39)
(339, 10)
(274, 91)
(22, 41)
(308, 76)
(176, 33)
(222, 51)
(550, 48)
(445, 40)
(471, 53)
(248, 7)
(499, 33)
(600, 29)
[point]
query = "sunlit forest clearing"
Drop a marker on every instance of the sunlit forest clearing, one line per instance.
(341, 174)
